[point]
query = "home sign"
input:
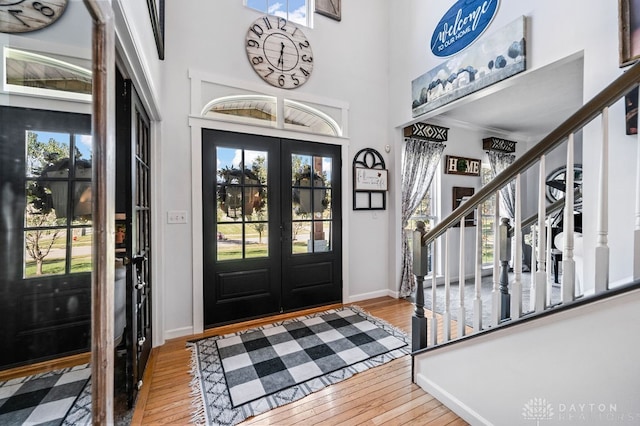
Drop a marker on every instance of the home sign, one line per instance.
(461, 25)
(462, 166)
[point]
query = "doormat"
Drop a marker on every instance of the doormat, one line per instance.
(240, 375)
(44, 398)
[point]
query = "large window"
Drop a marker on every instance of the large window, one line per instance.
(292, 10)
(57, 225)
(487, 216)
(427, 213)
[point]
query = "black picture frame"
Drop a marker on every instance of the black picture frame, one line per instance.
(156, 14)
(329, 8)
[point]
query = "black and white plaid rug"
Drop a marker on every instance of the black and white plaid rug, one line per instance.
(42, 399)
(244, 374)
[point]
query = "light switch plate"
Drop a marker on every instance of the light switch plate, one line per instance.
(176, 216)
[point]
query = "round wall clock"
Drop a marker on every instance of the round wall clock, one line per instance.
(279, 52)
(21, 16)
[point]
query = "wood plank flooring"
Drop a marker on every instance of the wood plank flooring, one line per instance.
(383, 395)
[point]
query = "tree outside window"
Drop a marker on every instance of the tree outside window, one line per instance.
(57, 216)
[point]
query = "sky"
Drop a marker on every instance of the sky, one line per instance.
(297, 9)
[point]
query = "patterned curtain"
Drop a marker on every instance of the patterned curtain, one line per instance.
(500, 161)
(420, 160)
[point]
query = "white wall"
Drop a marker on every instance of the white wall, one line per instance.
(560, 359)
(350, 65)
(555, 30)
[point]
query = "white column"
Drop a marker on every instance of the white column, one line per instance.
(461, 280)
(477, 302)
(516, 287)
(495, 309)
(538, 294)
(602, 248)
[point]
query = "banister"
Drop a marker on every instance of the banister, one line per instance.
(605, 98)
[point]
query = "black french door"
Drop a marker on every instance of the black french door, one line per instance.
(133, 236)
(272, 225)
(45, 235)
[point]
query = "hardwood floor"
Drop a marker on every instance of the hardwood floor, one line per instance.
(381, 395)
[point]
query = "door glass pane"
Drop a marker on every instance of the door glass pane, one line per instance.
(45, 252)
(47, 153)
(81, 250)
(301, 235)
(229, 242)
(82, 201)
(311, 203)
(242, 219)
(256, 240)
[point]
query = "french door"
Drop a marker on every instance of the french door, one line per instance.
(272, 225)
(133, 239)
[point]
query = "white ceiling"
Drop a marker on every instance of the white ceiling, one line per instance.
(525, 107)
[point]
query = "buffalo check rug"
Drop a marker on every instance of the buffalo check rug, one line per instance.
(44, 398)
(240, 375)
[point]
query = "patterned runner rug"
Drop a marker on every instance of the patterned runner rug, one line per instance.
(43, 398)
(244, 374)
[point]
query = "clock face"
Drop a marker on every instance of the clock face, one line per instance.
(21, 16)
(279, 52)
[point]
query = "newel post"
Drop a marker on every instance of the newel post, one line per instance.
(420, 269)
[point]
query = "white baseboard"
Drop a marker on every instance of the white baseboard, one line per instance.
(372, 295)
(178, 332)
(450, 401)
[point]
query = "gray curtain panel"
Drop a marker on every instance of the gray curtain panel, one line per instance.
(420, 160)
(500, 161)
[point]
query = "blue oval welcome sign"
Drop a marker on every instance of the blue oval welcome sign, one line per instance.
(462, 25)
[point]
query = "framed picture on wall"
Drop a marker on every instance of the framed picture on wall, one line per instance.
(156, 14)
(330, 8)
(629, 31)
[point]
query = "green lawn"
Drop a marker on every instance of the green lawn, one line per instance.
(56, 266)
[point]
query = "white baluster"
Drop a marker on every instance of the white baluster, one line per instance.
(602, 248)
(495, 309)
(477, 303)
(461, 280)
(533, 233)
(568, 264)
(446, 315)
(538, 293)
(434, 286)
(636, 232)
(516, 288)
(550, 280)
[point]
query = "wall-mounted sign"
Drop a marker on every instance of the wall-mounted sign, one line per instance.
(462, 166)
(462, 25)
(494, 58)
(498, 144)
(370, 180)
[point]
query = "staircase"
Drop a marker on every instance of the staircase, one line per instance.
(573, 361)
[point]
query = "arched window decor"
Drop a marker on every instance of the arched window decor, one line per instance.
(263, 110)
(35, 73)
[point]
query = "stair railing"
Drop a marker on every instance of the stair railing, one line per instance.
(596, 107)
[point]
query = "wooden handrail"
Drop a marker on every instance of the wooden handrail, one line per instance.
(607, 97)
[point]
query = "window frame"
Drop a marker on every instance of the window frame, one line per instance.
(308, 14)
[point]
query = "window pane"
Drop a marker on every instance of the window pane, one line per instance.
(47, 153)
(257, 240)
(82, 201)
(298, 11)
(256, 197)
(81, 250)
(300, 169)
(326, 202)
(301, 235)
(45, 252)
(229, 242)
(260, 5)
(277, 8)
